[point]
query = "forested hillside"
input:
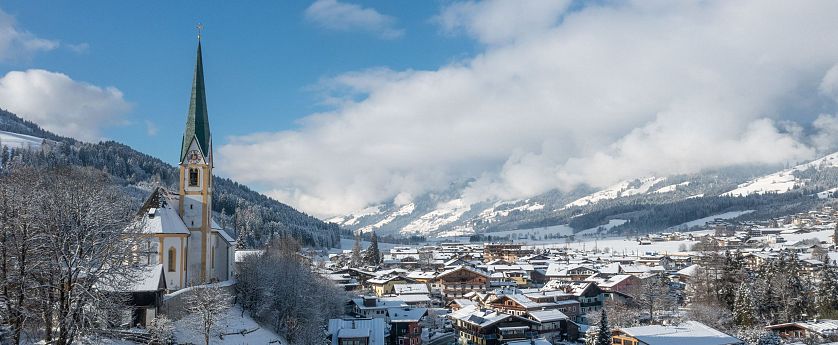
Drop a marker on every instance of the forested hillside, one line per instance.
(254, 217)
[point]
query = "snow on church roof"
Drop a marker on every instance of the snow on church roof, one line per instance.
(163, 220)
(223, 233)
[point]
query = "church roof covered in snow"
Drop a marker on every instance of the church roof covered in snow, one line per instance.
(163, 220)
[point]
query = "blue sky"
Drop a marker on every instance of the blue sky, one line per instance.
(336, 105)
(263, 60)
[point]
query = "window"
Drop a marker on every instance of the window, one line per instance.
(193, 177)
(172, 259)
(212, 257)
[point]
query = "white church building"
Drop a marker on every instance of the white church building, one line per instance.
(182, 236)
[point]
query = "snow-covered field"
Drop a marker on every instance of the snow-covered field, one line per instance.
(623, 245)
(705, 220)
(233, 321)
(15, 140)
(555, 230)
(671, 188)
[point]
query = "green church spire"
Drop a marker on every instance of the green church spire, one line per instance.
(197, 120)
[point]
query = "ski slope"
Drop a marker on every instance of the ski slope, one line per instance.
(20, 141)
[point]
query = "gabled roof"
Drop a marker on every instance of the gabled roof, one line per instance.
(524, 302)
(547, 315)
(197, 120)
(479, 317)
(689, 332)
(459, 268)
(406, 314)
(408, 289)
(163, 220)
(354, 328)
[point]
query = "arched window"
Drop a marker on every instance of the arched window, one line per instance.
(193, 177)
(172, 259)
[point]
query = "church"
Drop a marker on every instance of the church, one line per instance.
(183, 245)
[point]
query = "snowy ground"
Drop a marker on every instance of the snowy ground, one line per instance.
(623, 245)
(560, 230)
(347, 243)
(233, 322)
(705, 220)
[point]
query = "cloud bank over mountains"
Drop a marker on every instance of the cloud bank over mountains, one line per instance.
(562, 96)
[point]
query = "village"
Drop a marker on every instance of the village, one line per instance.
(457, 172)
(515, 293)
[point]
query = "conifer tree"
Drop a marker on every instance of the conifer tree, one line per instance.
(355, 260)
(827, 293)
(744, 308)
(373, 255)
(766, 297)
(604, 333)
(794, 293)
(730, 279)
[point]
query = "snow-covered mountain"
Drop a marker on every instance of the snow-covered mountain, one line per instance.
(784, 180)
(621, 189)
(624, 205)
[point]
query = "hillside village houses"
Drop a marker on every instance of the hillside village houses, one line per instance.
(494, 293)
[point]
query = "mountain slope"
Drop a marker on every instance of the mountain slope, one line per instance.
(634, 206)
(784, 180)
(255, 217)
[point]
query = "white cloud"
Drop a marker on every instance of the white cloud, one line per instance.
(17, 43)
(501, 21)
(597, 94)
(60, 104)
(341, 16)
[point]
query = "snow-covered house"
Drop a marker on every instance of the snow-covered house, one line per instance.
(357, 331)
(685, 333)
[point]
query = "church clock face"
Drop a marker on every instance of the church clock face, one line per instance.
(194, 157)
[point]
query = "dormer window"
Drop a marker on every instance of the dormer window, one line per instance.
(193, 177)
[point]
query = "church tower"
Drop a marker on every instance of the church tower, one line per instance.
(196, 164)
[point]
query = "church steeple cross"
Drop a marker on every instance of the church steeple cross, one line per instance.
(200, 28)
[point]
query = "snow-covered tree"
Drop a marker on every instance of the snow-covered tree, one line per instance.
(604, 332)
(373, 255)
(827, 293)
(356, 259)
(758, 336)
(710, 315)
(794, 294)
(744, 309)
(67, 236)
(591, 336)
(161, 329)
(655, 295)
(207, 306)
(285, 295)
